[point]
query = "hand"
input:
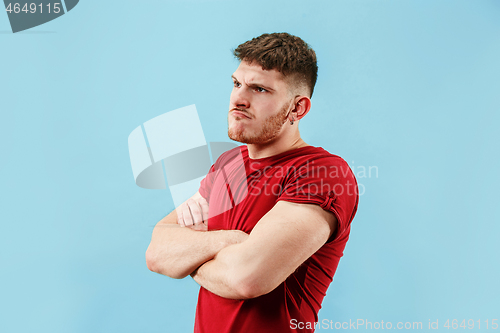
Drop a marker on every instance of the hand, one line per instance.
(193, 214)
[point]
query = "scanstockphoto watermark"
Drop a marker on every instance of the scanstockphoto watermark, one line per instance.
(25, 15)
(431, 324)
(357, 324)
(333, 178)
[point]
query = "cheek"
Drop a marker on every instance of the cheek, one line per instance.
(269, 108)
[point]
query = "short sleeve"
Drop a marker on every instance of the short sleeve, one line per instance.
(327, 182)
(206, 184)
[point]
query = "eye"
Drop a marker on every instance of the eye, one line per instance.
(237, 84)
(260, 89)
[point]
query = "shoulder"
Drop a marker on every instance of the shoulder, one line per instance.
(316, 161)
(325, 157)
(321, 178)
(230, 155)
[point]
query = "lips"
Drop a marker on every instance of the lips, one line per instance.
(240, 114)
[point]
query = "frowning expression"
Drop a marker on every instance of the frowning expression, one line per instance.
(259, 104)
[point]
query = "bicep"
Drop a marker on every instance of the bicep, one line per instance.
(286, 237)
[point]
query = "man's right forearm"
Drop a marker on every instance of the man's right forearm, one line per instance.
(177, 251)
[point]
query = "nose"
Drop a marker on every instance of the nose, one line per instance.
(239, 98)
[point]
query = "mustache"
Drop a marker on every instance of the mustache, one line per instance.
(242, 110)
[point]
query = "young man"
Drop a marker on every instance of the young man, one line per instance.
(265, 232)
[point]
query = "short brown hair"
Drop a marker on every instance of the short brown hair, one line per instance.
(288, 54)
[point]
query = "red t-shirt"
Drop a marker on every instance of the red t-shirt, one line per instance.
(240, 191)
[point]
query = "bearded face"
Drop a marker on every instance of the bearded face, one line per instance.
(269, 129)
(259, 105)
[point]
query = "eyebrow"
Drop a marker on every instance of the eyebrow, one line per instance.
(254, 85)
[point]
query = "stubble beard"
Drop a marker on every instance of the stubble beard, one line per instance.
(270, 130)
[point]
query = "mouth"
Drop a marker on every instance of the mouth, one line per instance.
(240, 114)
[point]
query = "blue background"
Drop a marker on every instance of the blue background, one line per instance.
(409, 87)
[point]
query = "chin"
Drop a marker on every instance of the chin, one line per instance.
(237, 132)
(239, 137)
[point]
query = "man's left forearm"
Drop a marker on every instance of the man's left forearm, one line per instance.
(223, 275)
(211, 277)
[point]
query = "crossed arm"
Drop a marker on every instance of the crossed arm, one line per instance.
(230, 263)
(176, 251)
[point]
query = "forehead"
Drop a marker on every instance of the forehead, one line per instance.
(253, 73)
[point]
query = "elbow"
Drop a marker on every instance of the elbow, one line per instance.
(151, 260)
(247, 291)
(155, 265)
(251, 286)
(247, 280)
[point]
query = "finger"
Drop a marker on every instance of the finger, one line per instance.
(204, 208)
(187, 218)
(200, 227)
(180, 217)
(195, 210)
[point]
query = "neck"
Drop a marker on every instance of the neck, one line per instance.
(275, 147)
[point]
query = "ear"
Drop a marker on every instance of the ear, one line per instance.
(301, 107)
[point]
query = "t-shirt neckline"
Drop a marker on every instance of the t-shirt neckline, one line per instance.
(277, 156)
